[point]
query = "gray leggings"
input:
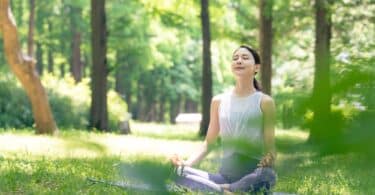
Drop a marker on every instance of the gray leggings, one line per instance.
(195, 179)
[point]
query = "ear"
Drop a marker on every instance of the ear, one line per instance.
(257, 68)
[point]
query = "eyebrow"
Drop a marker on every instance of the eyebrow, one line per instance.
(241, 55)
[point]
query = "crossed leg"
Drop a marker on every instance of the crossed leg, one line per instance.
(196, 179)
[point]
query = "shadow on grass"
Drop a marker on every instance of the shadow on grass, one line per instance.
(303, 169)
(81, 140)
(80, 143)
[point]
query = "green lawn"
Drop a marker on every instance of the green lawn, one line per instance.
(31, 164)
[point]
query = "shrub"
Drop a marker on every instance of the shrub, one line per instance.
(15, 108)
(70, 103)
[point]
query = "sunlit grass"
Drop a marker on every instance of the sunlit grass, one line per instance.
(162, 131)
(78, 144)
(335, 174)
(302, 170)
(40, 164)
(28, 175)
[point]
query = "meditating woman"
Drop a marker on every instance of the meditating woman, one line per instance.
(244, 118)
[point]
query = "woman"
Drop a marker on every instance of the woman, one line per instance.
(244, 118)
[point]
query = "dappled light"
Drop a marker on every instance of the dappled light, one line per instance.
(77, 144)
(80, 155)
(187, 97)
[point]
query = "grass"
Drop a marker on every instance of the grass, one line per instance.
(31, 164)
(29, 175)
(302, 170)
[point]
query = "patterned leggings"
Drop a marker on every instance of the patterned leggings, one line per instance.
(195, 179)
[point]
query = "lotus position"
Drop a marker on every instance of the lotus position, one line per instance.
(244, 119)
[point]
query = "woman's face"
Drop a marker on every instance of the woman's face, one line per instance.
(243, 63)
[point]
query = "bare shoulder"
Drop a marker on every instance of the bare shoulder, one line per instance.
(217, 98)
(267, 104)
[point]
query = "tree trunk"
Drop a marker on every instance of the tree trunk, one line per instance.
(62, 69)
(77, 66)
(30, 39)
(39, 29)
(206, 73)
(161, 110)
(39, 58)
(50, 59)
(120, 86)
(321, 97)
(128, 100)
(50, 51)
(138, 112)
(151, 114)
(99, 113)
(190, 106)
(24, 68)
(174, 109)
(76, 63)
(265, 38)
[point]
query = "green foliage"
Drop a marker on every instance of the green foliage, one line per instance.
(70, 103)
(154, 51)
(15, 108)
(117, 110)
(354, 93)
(292, 112)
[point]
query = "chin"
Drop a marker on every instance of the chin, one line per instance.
(239, 73)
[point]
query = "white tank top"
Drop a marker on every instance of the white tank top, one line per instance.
(241, 124)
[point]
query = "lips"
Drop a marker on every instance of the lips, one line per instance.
(239, 68)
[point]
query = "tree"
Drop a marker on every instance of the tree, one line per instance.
(129, 43)
(30, 40)
(321, 97)
(206, 73)
(76, 65)
(265, 38)
(99, 112)
(50, 60)
(23, 67)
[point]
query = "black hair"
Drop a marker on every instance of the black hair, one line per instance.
(257, 61)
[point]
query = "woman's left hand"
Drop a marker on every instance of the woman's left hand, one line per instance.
(176, 160)
(267, 161)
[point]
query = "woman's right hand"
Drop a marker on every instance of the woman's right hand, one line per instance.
(176, 160)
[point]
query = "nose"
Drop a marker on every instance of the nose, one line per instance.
(238, 61)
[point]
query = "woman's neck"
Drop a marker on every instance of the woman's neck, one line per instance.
(244, 87)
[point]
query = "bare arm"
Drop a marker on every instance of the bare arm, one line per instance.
(269, 114)
(212, 134)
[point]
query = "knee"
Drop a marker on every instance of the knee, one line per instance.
(266, 180)
(267, 175)
(261, 178)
